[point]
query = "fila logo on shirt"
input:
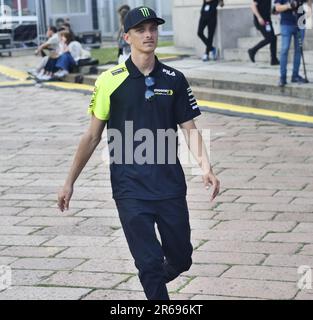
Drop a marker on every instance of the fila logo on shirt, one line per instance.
(192, 100)
(169, 73)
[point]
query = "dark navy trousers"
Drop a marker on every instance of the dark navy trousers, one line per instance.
(157, 262)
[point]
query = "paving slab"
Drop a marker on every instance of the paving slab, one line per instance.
(30, 251)
(42, 293)
(242, 288)
(46, 263)
(103, 280)
(115, 295)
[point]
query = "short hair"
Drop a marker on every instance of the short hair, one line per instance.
(66, 24)
(124, 7)
(53, 29)
(67, 35)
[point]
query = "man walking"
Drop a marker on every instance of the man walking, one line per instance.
(145, 94)
(262, 10)
(208, 19)
(292, 25)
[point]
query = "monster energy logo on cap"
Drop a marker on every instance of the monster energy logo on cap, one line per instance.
(145, 12)
(139, 15)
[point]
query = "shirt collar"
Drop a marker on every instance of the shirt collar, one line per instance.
(134, 72)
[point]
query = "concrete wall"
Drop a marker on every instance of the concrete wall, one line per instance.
(234, 21)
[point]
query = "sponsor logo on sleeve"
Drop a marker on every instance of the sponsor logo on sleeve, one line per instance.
(192, 100)
(118, 71)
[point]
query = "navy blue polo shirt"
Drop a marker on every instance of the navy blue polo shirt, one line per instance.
(209, 9)
(264, 8)
(119, 98)
(288, 17)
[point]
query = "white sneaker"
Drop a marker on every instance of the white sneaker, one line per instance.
(214, 54)
(44, 77)
(40, 74)
(61, 74)
(33, 72)
(205, 57)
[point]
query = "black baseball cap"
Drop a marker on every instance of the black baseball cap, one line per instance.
(139, 15)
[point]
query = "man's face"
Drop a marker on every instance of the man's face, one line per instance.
(144, 37)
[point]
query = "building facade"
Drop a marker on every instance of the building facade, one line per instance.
(182, 16)
(108, 20)
(235, 20)
(20, 10)
(88, 15)
(83, 15)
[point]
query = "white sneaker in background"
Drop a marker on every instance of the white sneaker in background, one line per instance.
(33, 72)
(61, 74)
(214, 54)
(44, 77)
(205, 57)
(40, 74)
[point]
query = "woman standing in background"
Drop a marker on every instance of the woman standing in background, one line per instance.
(123, 46)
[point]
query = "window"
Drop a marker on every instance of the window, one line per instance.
(58, 6)
(116, 5)
(167, 15)
(13, 4)
(28, 7)
(105, 16)
(77, 6)
(150, 3)
(68, 6)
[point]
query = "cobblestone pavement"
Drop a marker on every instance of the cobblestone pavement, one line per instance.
(248, 244)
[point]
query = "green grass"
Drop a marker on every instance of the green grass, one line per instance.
(109, 55)
(166, 44)
(105, 55)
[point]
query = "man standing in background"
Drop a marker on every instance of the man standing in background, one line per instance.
(208, 19)
(292, 25)
(262, 10)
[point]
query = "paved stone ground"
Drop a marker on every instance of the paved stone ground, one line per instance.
(248, 244)
(4, 78)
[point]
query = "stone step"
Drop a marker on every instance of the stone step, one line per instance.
(252, 79)
(249, 42)
(240, 54)
(254, 32)
(256, 100)
(265, 85)
(90, 80)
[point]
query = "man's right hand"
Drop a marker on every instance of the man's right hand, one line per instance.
(261, 21)
(64, 197)
(294, 4)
